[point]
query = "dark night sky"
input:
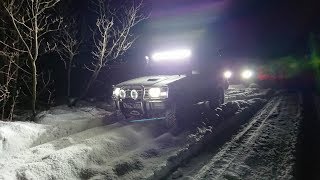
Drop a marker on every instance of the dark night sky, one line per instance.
(246, 27)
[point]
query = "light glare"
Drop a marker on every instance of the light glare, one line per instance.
(227, 74)
(172, 55)
(247, 74)
(116, 92)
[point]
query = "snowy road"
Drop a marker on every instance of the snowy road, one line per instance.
(78, 144)
(263, 149)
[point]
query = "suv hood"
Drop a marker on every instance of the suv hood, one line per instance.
(160, 80)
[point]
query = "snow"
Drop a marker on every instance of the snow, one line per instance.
(53, 124)
(85, 142)
(238, 92)
(263, 149)
(79, 144)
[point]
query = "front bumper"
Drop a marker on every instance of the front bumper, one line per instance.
(142, 109)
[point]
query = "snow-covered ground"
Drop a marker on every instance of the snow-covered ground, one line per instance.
(263, 149)
(76, 144)
(53, 124)
(237, 92)
(83, 143)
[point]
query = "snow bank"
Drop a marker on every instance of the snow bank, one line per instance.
(115, 151)
(52, 124)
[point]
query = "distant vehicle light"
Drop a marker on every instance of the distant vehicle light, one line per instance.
(116, 92)
(134, 94)
(179, 54)
(246, 74)
(122, 94)
(227, 74)
(154, 92)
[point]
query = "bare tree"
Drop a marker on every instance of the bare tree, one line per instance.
(8, 90)
(112, 35)
(32, 21)
(68, 48)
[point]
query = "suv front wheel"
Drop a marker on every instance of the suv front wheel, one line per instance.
(174, 115)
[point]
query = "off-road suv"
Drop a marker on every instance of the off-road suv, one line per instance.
(168, 97)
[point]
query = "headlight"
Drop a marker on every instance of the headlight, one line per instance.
(246, 74)
(116, 92)
(227, 74)
(122, 94)
(158, 92)
(154, 92)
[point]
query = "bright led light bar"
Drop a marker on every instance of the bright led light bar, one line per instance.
(179, 54)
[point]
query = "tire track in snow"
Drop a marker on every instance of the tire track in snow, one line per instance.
(232, 150)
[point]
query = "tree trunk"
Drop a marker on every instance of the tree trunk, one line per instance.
(92, 79)
(34, 87)
(69, 78)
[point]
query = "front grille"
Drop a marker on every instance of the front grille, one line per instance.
(146, 93)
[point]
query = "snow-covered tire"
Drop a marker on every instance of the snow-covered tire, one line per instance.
(117, 116)
(171, 117)
(216, 99)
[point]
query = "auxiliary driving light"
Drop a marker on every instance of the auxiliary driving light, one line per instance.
(134, 94)
(122, 94)
(227, 74)
(116, 92)
(172, 55)
(247, 74)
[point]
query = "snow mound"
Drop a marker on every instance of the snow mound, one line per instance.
(52, 124)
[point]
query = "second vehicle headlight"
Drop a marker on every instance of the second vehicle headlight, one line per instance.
(246, 74)
(227, 74)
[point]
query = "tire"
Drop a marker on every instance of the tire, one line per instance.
(216, 99)
(171, 117)
(116, 116)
